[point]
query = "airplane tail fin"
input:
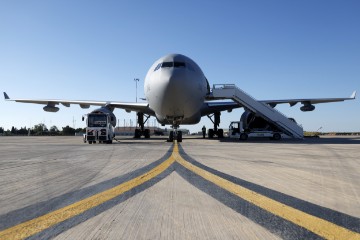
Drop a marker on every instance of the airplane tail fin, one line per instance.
(353, 95)
(6, 96)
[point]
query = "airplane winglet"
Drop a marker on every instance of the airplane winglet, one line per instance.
(353, 95)
(6, 96)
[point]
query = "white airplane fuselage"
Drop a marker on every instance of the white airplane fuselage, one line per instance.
(175, 88)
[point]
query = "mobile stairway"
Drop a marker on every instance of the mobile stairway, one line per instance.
(230, 91)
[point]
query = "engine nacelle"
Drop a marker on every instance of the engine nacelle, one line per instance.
(107, 111)
(48, 108)
(307, 108)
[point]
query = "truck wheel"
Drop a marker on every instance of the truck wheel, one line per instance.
(90, 142)
(243, 136)
(277, 136)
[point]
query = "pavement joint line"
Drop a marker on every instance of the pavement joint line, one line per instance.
(314, 224)
(39, 224)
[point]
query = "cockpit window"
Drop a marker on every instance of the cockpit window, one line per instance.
(173, 64)
(157, 67)
(167, 64)
(179, 64)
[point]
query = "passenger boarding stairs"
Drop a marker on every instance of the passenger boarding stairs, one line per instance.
(230, 91)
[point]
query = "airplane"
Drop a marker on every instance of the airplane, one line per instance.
(176, 93)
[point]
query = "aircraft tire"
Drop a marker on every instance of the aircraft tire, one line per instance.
(179, 136)
(220, 133)
(137, 133)
(211, 133)
(147, 133)
(171, 137)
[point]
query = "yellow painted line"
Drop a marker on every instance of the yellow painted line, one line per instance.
(37, 225)
(314, 224)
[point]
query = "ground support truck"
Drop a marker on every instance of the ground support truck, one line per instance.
(252, 126)
(100, 125)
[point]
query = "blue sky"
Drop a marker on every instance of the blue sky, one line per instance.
(92, 50)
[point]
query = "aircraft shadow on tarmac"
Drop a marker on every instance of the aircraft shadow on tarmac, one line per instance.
(320, 140)
(327, 140)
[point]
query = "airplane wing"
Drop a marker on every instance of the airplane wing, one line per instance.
(293, 102)
(137, 107)
(211, 107)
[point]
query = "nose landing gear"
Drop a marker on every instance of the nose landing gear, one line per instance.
(175, 134)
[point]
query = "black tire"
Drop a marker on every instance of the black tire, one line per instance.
(220, 133)
(276, 136)
(90, 142)
(147, 133)
(137, 133)
(243, 136)
(179, 136)
(211, 133)
(171, 137)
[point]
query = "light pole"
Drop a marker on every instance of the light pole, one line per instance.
(136, 82)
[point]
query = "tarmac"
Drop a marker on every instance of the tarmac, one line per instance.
(61, 188)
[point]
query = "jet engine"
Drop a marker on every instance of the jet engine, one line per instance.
(49, 108)
(307, 107)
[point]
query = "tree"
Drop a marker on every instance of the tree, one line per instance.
(39, 129)
(1, 130)
(13, 130)
(54, 129)
(80, 130)
(68, 130)
(22, 131)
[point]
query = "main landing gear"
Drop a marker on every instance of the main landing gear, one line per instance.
(142, 131)
(215, 132)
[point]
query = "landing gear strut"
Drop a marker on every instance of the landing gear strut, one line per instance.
(142, 131)
(218, 132)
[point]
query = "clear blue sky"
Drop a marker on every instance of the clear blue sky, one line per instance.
(92, 50)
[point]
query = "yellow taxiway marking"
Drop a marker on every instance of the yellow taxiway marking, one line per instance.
(37, 225)
(314, 224)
